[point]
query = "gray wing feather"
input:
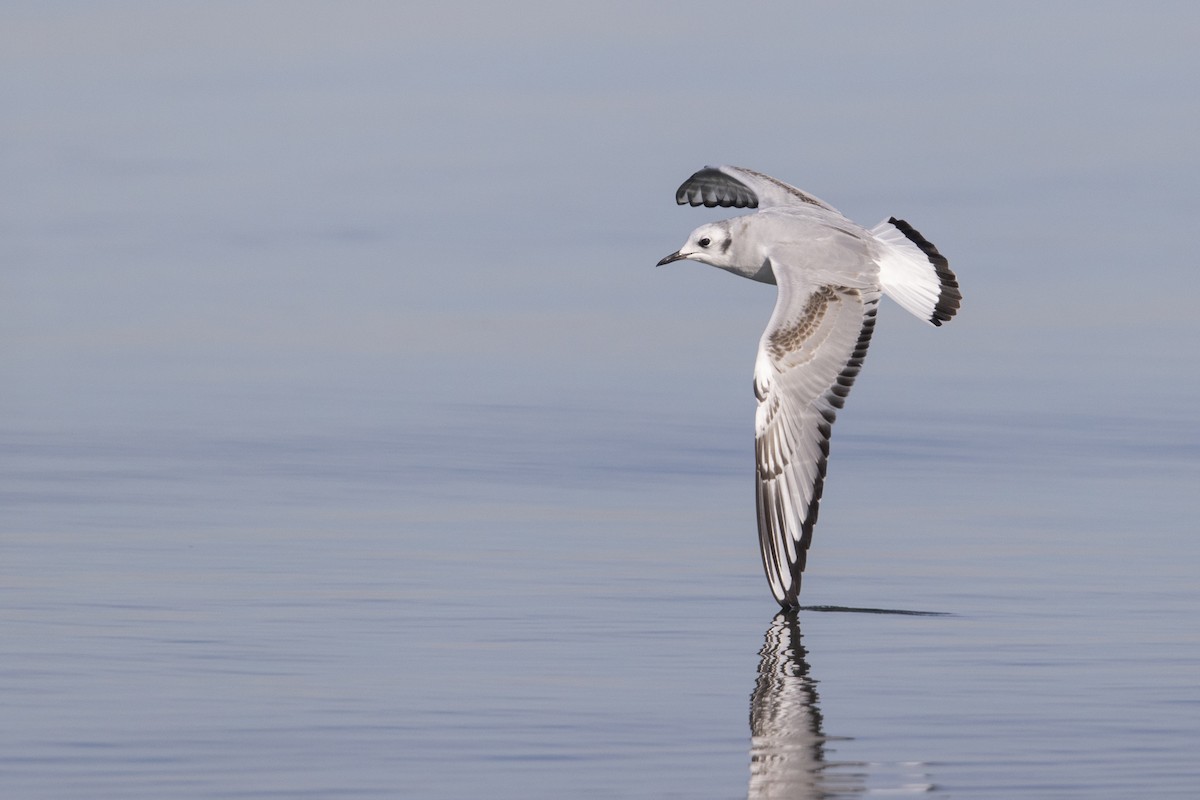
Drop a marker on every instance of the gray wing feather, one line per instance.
(808, 358)
(737, 187)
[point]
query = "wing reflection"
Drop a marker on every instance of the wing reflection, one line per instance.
(788, 754)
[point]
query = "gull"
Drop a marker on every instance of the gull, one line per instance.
(830, 273)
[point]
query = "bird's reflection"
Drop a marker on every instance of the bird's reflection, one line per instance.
(788, 747)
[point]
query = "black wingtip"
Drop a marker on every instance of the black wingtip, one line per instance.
(710, 187)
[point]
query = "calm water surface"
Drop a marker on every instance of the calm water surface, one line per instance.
(356, 614)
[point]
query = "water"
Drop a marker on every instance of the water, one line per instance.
(351, 446)
(353, 615)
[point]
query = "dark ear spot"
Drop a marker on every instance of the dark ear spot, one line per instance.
(725, 244)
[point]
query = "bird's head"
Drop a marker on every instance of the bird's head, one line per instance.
(709, 244)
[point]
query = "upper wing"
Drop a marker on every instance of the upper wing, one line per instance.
(807, 360)
(737, 187)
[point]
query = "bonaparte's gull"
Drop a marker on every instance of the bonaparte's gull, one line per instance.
(830, 273)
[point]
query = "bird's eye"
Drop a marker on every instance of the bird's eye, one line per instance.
(705, 242)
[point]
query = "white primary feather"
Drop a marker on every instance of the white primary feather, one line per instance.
(808, 357)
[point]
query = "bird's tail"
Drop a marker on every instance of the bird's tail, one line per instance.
(914, 274)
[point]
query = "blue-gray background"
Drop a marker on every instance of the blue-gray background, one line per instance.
(351, 443)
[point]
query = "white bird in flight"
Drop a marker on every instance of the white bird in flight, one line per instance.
(830, 273)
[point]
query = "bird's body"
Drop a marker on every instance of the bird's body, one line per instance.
(830, 273)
